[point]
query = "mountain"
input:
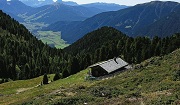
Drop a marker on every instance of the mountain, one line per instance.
(14, 6)
(60, 12)
(69, 3)
(106, 6)
(164, 27)
(129, 20)
(107, 42)
(64, 25)
(95, 40)
(37, 3)
(15, 17)
(22, 56)
(50, 13)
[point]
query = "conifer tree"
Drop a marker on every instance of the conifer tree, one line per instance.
(45, 79)
(57, 76)
(65, 73)
(74, 66)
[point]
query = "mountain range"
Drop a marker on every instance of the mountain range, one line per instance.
(52, 11)
(37, 3)
(132, 21)
(148, 19)
(60, 12)
(106, 6)
(14, 6)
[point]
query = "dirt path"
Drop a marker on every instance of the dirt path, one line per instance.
(23, 89)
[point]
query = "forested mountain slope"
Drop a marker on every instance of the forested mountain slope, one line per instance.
(164, 27)
(107, 42)
(22, 56)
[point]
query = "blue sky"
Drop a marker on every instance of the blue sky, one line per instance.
(121, 2)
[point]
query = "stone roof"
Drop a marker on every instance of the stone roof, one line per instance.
(111, 65)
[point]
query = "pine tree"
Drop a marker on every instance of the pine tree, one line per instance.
(18, 70)
(65, 73)
(96, 56)
(74, 66)
(57, 76)
(45, 79)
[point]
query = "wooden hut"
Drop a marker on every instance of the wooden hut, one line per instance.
(108, 67)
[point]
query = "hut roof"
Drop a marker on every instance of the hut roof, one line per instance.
(111, 65)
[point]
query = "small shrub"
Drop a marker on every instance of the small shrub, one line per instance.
(135, 94)
(81, 87)
(138, 66)
(57, 76)
(164, 100)
(5, 80)
(1, 80)
(176, 75)
(76, 100)
(105, 92)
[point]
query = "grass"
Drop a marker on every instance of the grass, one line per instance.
(12, 87)
(152, 84)
(9, 90)
(52, 38)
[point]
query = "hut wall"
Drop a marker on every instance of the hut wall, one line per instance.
(97, 71)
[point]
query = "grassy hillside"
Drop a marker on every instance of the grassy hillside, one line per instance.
(154, 81)
(10, 92)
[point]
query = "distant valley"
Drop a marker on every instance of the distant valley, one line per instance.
(37, 18)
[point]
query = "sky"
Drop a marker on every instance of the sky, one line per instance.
(121, 2)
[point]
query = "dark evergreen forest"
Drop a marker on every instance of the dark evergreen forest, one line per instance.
(22, 56)
(107, 43)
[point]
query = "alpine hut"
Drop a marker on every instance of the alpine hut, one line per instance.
(108, 67)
